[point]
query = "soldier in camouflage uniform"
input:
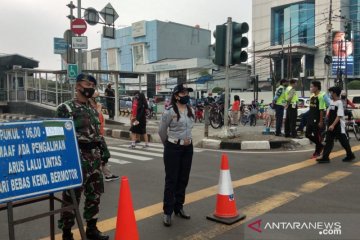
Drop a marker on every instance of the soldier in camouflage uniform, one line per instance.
(91, 147)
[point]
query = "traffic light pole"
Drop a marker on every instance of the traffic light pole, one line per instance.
(227, 71)
(79, 50)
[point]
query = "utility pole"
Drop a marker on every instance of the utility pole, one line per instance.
(290, 55)
(254, 72)
(328, 67)
(227, 69)
(79, 51)
(282, 56)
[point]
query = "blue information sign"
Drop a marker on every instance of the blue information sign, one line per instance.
(60, 46)
(38, 157)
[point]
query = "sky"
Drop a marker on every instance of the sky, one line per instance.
(28, 27)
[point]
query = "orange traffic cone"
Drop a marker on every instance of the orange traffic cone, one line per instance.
(126, 224)
(226, 211)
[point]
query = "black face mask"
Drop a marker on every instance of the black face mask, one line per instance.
(184, 99)
(87, 92)
(343, 97)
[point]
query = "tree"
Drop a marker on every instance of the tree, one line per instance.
(354, 85)
(218, 90)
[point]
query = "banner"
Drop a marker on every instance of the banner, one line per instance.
(38, 157)
(342, 55)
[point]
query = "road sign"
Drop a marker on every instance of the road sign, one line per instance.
(109, 14)
(38, 157)
(91, 16)
(78, 26)
(60, 46)
(79, 42)
(72, 72)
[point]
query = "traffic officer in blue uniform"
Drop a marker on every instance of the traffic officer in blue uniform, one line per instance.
(175, 133)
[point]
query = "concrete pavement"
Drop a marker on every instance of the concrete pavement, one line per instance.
(264, 182)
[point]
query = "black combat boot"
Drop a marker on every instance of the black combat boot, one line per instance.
(92, 233)
(67, 235)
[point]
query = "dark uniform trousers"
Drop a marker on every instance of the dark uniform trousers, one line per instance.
(279, 110)
(92, 187)
(313, 133)
(290, 121)
(330, 136)
(177, 160)
(110, 105)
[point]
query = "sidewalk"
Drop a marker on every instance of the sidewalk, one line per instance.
(242, 137)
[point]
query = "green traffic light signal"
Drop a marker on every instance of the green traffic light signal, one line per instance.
(220, 45)
(238, 42)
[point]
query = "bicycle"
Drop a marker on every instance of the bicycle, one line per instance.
(216, 116)
(352, 125)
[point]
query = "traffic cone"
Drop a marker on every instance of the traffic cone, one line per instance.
(126, 224)
(225, 211)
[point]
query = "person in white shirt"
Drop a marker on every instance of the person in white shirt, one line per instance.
(336, 128)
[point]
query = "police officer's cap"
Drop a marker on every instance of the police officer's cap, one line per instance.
(181, 88)
(86, 77)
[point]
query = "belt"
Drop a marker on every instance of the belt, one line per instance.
(180, 141)
(90, 145)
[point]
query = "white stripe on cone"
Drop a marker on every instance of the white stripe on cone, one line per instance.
(225, 184)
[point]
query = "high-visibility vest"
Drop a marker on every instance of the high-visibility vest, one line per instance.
(281, 99)
(294, 99)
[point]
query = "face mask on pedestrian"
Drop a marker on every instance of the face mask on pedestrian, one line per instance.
(184, 99)
(87, 92)
(343, 97)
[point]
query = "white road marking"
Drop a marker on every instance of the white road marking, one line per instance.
(144, 152)
(131, 156)
(114, 160)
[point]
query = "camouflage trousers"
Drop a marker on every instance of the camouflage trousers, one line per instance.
(92, 188)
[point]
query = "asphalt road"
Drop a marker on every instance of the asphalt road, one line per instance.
(264, 182)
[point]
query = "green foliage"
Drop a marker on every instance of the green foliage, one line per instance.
(354, 85)
(218, 90)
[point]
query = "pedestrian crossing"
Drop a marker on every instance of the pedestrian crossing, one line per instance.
(122, 154)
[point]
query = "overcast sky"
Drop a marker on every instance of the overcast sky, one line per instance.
(29, 26)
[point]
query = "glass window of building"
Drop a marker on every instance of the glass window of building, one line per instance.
(295, 20)
(355, 25)
(179, 74)
(138, 54)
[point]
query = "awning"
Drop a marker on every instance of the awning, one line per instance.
(204, 79)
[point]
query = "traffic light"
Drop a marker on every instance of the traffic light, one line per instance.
(348, 31)
(238, 43)
(220, 45)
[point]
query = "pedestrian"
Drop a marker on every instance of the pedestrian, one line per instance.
(138, 119)
(110, 101)
(292, 100)
(253, 109)
(235, 110)
(175, 132)
(262, 109)
(315, 122)
(279, 103)
(87, 127)
(270, 117)
(336, 128)
(108, 175)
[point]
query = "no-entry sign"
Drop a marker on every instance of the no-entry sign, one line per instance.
(78, 26)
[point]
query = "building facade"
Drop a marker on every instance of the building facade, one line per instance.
(291, 39)
(168, 53)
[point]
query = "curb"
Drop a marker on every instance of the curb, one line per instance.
(252, 145)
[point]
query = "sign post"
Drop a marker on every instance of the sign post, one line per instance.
(78, 26)
(72, 72)
(38, 158)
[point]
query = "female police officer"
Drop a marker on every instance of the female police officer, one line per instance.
(175, 133)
